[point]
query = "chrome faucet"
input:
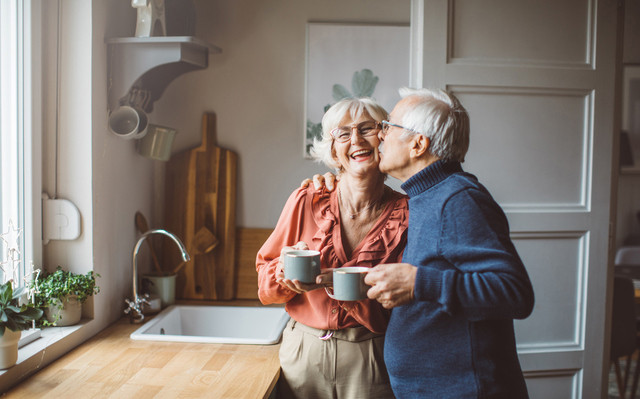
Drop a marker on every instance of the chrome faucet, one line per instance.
(135, 306)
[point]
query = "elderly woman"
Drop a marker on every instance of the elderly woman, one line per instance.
(332, 348)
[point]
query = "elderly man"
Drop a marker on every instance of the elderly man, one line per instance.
(462, 282)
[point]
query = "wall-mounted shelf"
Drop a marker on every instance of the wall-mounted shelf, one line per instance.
(140, 68)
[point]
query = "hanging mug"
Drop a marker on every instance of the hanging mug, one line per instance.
(156, 144)
(128, 123)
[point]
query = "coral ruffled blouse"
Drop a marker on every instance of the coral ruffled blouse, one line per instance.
(313, 216)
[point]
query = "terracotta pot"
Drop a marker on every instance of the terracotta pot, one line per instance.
(9, 348)
(66, 314)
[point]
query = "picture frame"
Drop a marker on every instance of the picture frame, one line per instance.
(352, 60)
(631, 109)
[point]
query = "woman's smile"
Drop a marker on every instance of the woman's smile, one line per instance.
(361, 155)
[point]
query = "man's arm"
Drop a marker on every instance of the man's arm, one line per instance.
(328, 181)
(479, 272)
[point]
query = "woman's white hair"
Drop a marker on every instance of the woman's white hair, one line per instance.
(438, 115)
(322, 150)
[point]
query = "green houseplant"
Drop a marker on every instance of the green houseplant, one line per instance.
(61, 295)
(14, 318)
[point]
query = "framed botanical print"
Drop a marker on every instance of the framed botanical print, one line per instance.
(346, 60)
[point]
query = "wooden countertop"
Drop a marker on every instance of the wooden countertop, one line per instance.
(113, 365)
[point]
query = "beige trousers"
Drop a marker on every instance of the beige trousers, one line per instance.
(348, 365)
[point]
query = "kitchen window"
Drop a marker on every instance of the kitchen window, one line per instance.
(51, 116)
(20, 170)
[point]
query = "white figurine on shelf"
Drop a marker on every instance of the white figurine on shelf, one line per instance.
(151, 21)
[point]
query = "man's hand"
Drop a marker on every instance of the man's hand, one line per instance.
(392, 284)
(295, 285)
(328, 180)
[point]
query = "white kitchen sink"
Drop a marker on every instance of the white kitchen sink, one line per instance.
(215, 324)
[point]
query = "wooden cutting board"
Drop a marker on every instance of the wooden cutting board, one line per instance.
(200, 192)
(248, 243)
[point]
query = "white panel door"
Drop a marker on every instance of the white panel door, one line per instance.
(537, 77)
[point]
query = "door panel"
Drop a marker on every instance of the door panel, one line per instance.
(555, 322)
(556, 132)
(537, 78)
(477, 26)
(554, 385)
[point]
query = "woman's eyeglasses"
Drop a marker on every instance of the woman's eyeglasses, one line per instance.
(342, 134)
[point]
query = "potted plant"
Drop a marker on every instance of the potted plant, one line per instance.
(61, 295)
(14, 318)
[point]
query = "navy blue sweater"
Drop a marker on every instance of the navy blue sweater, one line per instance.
(456, 339)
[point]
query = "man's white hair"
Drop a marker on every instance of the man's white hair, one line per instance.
(439, 116)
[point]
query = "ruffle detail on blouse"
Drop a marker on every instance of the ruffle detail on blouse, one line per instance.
(325, 219)
(387, 234)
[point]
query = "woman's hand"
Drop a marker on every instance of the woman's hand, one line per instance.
(325, 277)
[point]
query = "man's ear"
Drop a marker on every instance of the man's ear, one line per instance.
(419, 146)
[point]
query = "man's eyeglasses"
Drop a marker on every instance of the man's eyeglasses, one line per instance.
(386, 125)
(342, 134)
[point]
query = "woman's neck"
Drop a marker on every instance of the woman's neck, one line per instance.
(359, 194)
(361, 202)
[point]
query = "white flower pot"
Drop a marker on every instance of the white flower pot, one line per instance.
(9, 348)
(68, 314)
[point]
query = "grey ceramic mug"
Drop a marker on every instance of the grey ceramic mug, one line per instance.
(302, 265)
(348, 283)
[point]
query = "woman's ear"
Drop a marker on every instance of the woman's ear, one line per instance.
(419, 146)
(334, 156)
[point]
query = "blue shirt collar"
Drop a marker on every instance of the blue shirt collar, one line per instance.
(430, 176)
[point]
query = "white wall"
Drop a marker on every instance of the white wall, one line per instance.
(100, 173)
(256, 89)
(122, 179)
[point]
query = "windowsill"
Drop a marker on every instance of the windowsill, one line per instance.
(53, 343)
(29, 336)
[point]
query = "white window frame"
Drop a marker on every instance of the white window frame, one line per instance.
(20, 127)
(22, 113)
